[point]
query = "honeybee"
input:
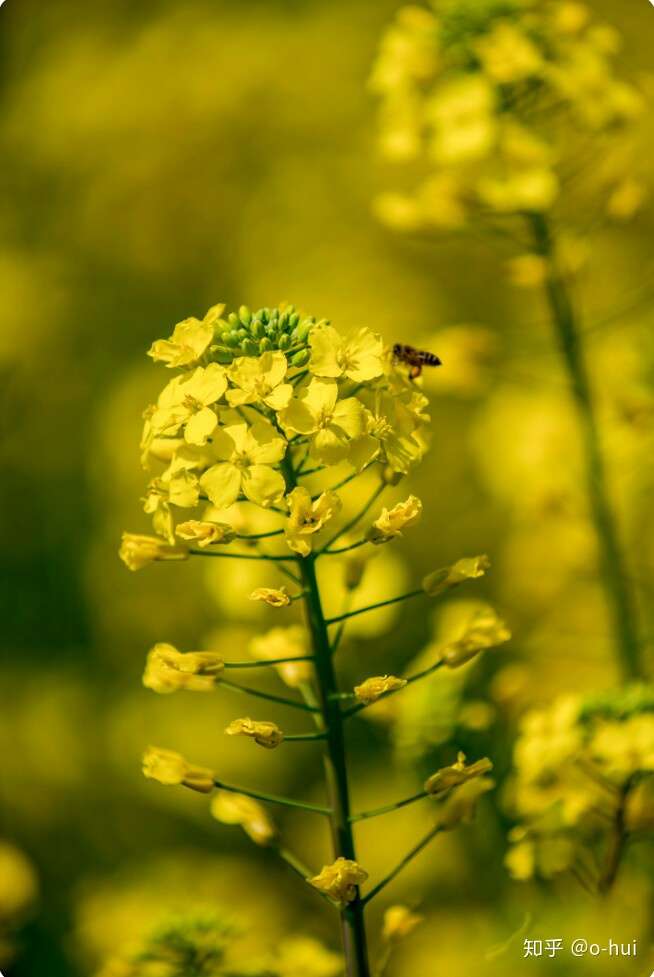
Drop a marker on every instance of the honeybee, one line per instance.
(415, 358)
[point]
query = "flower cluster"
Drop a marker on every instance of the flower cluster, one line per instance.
(499, 101)
(253, 390)
(582, 783)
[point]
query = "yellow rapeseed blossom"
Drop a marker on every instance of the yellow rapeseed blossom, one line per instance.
(358, 357)
(245, 456)
(340, 880)
(190, 340)
(456, 774)
(468, 568)
(18, 882)
(231, 808)
(391, 522)
(264, 733)
(399, 922)
(290, 642)
(168, 670)
(137, 551)
(274, 597)
(485, 630)
(260, 380)
(307, 517)
(171, 768)
(186, 401)
(329, 422)
(205, 533)
(376, 686)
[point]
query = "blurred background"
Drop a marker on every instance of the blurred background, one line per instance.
(161, 157)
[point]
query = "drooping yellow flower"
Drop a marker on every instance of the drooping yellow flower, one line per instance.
(307, 517)
(485, 630)
(456, 774)
(460, 805)
(137, 551)
(168, 670)
(391, 424)
(260, 379)
(340, 880)
(245, 455)
(231, 808)
(274, 597)
(291, 642)
(189, 342)
(391, 522)
(376, 686)
(171, 768)
(468, 568)
(331, 423)
(399, 922)
(205, 533)
(157, 504)
(264, 733)
(186, 401)
(358, 357)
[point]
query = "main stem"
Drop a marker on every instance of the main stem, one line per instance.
(611, 558)
(352, 921)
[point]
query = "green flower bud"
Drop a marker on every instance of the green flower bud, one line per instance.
(250, 347)
(223, 355)
(233, 339)
(265, 344)
(245, 315)
(301, 358)
(232, 319)
(285, 341)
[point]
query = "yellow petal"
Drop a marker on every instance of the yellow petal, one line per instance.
(262, 485)
(200, 426)
(222, 483)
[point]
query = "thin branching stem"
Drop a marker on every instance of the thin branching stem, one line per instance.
(242, 556)
(275, 799)
(269, 662)
(374, 607)
(388, 808)
(271, 697)
(355, 519)
(304, 737)
(402, 864)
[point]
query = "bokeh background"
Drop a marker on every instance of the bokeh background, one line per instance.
(160, 157)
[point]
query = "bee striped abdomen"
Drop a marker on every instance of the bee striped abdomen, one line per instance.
(415, 358)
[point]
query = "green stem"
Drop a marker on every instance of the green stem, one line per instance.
(304, 737)
(388, 808)
(257, 693)
(373, 607)
(344, 549)
(352, 921)
(401, 864)
(356, 519)
(611, 558)
(274, 799)
(268, 662)
(241, 556)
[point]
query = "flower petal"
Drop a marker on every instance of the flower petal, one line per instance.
(222, 483)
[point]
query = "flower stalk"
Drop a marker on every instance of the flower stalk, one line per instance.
(612, 564)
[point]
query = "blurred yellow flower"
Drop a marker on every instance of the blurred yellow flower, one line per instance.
(358, 357)
(137, 551)
(245, 455)
(456, 774)
(168, 670)
(460, 805)
(376, 686)
(485, 630)
(291, 642)
(18, 882)
(171, 768)
(331, 423)
(231, 808)
(399, 922)
(391, 522)
(468, 568)
(307, 517)
(205, 533)
(190, 340)
(260, 379)
(264, 733)
(340, 880)
(461, 114)
(507, 55)
(274, 597)
(302, 956)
